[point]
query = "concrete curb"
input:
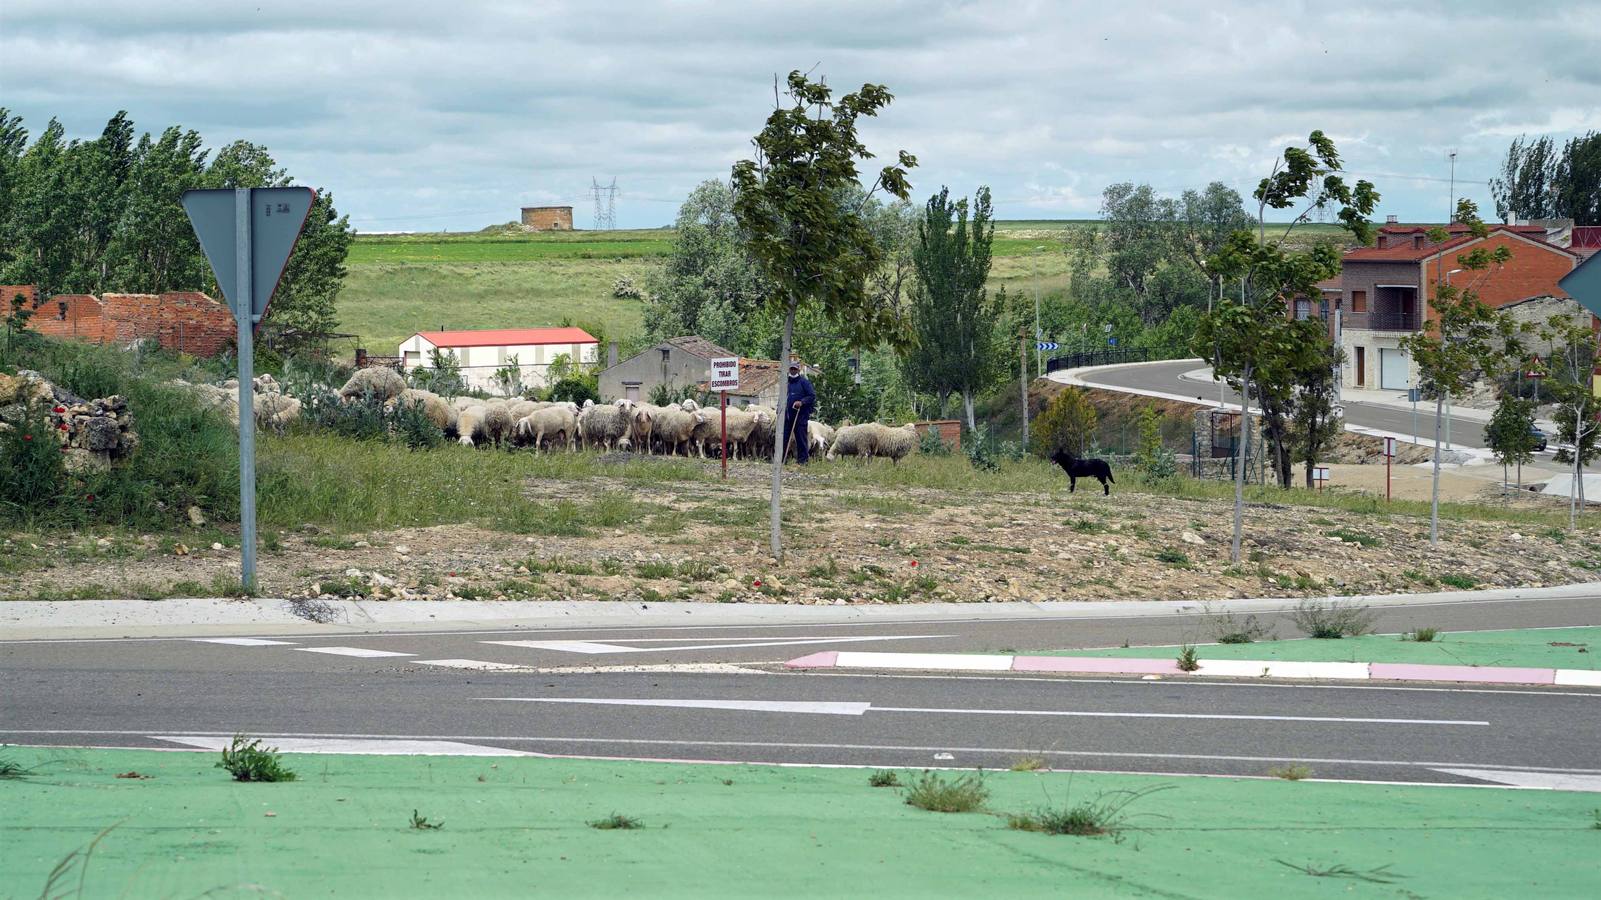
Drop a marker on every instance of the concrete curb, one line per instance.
(1224, 668)
(92, 619)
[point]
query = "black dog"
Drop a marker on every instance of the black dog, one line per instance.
(1077, 468)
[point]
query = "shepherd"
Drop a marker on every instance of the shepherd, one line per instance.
(1077, 468)
(797, 412)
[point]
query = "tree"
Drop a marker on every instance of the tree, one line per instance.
(1578, 180)
(1464, 341)
(957, 328)
(1316, 422)
(804, 225)
(708, 284)
(1067, 423)
(1572, 358)
(1526, 186)
(1510, 433)
(1252, 338)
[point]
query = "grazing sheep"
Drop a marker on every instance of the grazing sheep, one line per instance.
(498, 424)
(860, 441)
(676, 428)
(433, 407)
(463, 403)
(381, 382)
(274, 410)
(604, 426)
(820, 436)
(741, 425)
(558, 421)
(761, 439)
(898, 443)
(641, 419)
(470, 425)
(521, 408)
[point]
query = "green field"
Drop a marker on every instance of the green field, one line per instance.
(174, 826)
(401, 284)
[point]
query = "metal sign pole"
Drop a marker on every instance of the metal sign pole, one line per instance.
(247, 412)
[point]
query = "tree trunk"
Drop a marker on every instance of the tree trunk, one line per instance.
(1239, 468)
(780, 432)
(967, 402)
(1434, 501)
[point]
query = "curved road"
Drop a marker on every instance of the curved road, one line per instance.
(1168, 378)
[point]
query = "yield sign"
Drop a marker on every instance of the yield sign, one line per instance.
(275, 217)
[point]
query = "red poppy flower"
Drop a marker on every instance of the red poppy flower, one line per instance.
(914, 563)
(59, 409)
(62, 426)
(29, 437)
(91, 498)
(756, 583)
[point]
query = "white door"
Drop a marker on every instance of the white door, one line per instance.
(1393, 366)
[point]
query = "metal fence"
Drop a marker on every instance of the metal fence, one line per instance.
(1096, 358)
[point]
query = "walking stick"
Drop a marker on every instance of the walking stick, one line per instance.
(789, 442)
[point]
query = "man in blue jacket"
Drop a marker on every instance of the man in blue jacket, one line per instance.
(798, 414)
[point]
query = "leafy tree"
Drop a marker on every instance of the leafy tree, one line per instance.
(1068, 423)
(1525, 188)
(1464, 341)
(1510, 433)
(1316, 423)
(804, 225)
(957, 327)
(1254, 342)
(708, 284)
(1572, 360)
(1578, 180)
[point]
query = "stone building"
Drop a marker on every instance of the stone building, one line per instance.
(548, 218)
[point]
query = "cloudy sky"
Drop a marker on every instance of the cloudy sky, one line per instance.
(430, 115)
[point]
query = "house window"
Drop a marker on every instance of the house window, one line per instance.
(63, 307)
(1359, 301)
(1303, 309)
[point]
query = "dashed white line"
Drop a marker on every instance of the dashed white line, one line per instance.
(244, 642)
(362, 652)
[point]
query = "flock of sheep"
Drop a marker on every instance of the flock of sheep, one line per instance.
(624, 425)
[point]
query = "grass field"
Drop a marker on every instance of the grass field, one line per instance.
(401, 284)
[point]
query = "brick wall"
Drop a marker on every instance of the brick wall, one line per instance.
(186, 321)
(548, 218)
(8, 292)
(1533, 271)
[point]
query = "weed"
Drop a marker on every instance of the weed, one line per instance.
(1330, 620)
(617, 822)
(935, 793)
(887, 778)
(1419, 577)
(1460, 582)
(1105, 814)
(77, 861)
(1028, 764)
(1380, 875)
(1174, 557)
(559, 565)
(1348, 536)
(1227, 628)
(1421, 635)
(247, 760)
(655, 570)
(11, 770)
(696, 570)
(1087, 526)
(421, 823)
(611, 566)
(1290, 773)
(1187, 661)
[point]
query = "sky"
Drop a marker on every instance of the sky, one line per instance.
(450, 116)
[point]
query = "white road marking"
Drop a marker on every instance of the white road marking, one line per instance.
(1553, 781)
(377, 747)
(835, 708)
(477, 664)
(593, 647)
(956, 661)
(855, 708)
(243, 642)
(1585, 677)
(1033, 751)
(352, 651)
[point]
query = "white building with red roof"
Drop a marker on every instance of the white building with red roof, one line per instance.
(487, 357)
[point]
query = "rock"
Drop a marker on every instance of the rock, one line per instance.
(353, 573)
(1190, 537)
(216, 546)
(196, 517)
(103, 542)
(80, 461)
(379, 579)
(361, 544)
(402, 550)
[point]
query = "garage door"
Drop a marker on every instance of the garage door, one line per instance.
(1393, 370)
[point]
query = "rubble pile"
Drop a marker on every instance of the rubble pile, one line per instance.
(94, 434)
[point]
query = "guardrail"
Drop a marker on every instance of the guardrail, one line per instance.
(1096, 358)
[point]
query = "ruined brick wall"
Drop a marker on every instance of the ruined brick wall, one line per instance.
(548, 218)
(77, 317)
(185, 321)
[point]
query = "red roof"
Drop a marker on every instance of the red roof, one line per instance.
(507, 337)
(1402, 250)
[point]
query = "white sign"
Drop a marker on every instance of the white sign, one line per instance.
(725, 374)
(1320, 473)
(1389, 446)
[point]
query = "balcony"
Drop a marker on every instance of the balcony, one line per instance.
(1393, 320)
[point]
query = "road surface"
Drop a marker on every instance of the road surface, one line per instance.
(718, 693)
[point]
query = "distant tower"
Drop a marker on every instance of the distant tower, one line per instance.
(605, 204)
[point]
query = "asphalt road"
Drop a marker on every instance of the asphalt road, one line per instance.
(1167, 378)
(177, 692)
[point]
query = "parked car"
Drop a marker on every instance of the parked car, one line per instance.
(1539, 438)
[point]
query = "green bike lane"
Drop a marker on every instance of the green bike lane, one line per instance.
(516, 826)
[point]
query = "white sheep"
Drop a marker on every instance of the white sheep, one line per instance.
(552, 421)
(741, 426)
(676, 428)
(898, 443)
(860, 441)
(433, 407)
(470, 425)
(604, 426)
(380, 382)
(819, 436)
(498, 423)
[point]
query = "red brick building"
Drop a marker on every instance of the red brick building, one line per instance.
(184, 321)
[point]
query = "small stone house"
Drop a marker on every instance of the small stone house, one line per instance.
(686, 362)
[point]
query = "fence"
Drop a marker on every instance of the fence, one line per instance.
(1096, 358)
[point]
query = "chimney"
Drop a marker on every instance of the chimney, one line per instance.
(1383, 241)
(611, 354)
(1391, 220)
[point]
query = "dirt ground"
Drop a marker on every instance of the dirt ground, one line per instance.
(708, 542)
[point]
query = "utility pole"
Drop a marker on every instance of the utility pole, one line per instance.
(1450, 202)
(1022, 377)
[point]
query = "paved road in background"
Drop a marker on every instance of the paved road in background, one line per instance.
(444, 686)
(1168, 378)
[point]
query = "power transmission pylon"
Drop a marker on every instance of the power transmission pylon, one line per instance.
(605, 204)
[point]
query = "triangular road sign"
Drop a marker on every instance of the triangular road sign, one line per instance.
(276, 217)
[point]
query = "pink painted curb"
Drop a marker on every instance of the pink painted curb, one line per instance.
(823, 660)
(1483, 674)
(1100, 665)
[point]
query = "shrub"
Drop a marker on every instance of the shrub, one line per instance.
(1421, 635)
(982, 450)
(617, 822)
(1186, 660)
(884, 778)
(1068, 423)
(1105, 814)
(246, 760)
(1327, 620)
(1227, 628)
(1173, 556)
(625, 289)
(409, 425)
(32, 475)
(1460, 582)
(932, 444)
(934, 793)
(575, 389)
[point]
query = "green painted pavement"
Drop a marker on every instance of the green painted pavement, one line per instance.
(516, 827)
(1551, 648)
